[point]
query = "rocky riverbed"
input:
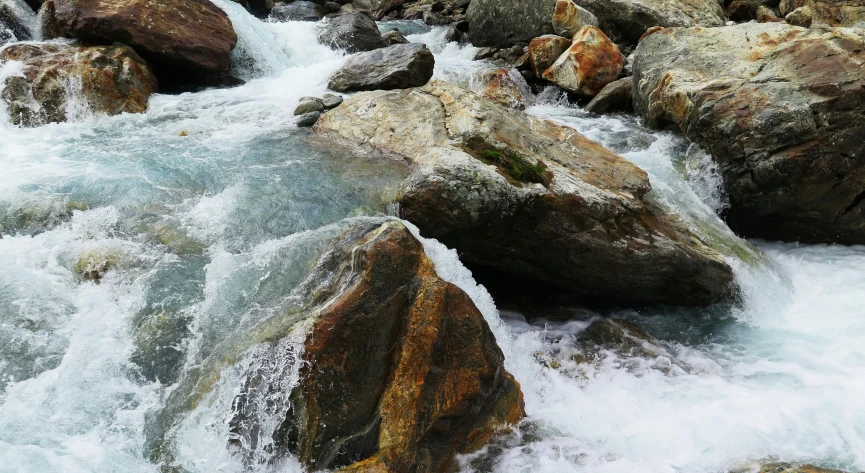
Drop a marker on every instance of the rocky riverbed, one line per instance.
(432, 236)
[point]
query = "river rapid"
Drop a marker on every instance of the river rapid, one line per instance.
(205, 210)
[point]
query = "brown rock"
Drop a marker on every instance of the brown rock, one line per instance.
(194, 35)
(522, 196)
(765, 14)
(400, 370)
(614, 97)
(49, 28)
(780, 110)
(568, 18)
(802, 16)
(505, 86)
(544, 50)
(590, 63)
(104, 79)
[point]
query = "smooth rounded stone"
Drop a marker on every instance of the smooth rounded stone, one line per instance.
(591, 62)
(627, 20)
(394, 37)
(614, 97)
(779, 108)
(300, 10)
(111, 80)
(331, 101)
(568, 18)
(14, 19)
(395, 67)
(49, 28)
(352, 32)
(802, 16)
(195, 35)
(309, 104)
(308, 119)
(521, 196)
(544, 50)
(828, 12)
(506, 86)
(494, 23)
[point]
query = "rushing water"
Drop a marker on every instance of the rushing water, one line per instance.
(202, 214)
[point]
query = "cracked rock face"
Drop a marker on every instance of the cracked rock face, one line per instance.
(523, 196)
(782, 111)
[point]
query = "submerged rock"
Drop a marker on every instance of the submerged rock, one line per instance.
(159, 349)
(13, 25)
(614, 97)
(194, 35)
(591, 62)
(828, 12)
(780, 110)
(493, 23)
(395, 67)
(351, 32)
(505, 86)
(56, 79)
(627, 20)
(523, 196)
(301, 10)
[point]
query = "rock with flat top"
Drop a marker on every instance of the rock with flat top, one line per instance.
(395, 67)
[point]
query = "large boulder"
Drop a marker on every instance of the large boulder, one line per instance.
(15, 19)
(780, 109)
(351, 32)
(395, 67)
(544, 50)
(521, 196)
(627, 20)
(591, 62)
(378, 364)
(58, 79)
(828, 12)
(301, 10)
(568, 18)
(493, 23)
(193, 35)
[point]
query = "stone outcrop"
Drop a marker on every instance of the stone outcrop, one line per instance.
(351, 32)
(522, 196)
(301, 10)
(591, 62)
(627, 20)
(780, 110)
(193, 35)
(394, 369)
(506, 87)
(568, 18)
(828, 12)
(614, 97)
(395, 67)
(494, 23)
(60, 78)
(544, 50)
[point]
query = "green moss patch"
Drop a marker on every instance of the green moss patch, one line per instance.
(517, 166)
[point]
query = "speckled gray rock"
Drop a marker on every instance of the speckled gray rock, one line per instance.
(394, 37)
(308, 119)
(494, 23)
(582, 220)
(395, 67)
(331, 101)
(627, 20)
(301, 10)
(309, 104)
(351, 32)
(780, 109)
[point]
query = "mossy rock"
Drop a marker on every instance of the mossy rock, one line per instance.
(93, 264)
(159, 350)
(36, 218)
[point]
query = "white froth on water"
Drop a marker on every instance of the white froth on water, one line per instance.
(779, 374)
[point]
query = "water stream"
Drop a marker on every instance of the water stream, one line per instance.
(201, 215)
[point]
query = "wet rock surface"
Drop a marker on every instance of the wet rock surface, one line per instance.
(194, 35)
(58, 79)
(523, 196)
(779, 108)
(351, 32)
(394, 67)
(300, 10)
(13, 23)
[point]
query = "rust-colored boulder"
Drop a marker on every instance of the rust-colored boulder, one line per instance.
(59, 79)
(591, 62)
(544, 50)
(194, 35)
(399, 370)
(506, 87)
(780, 110)
(569, 18)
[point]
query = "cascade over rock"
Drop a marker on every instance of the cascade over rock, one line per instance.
(780, 110)
(193, 35)
(107, 79)
(526, 197)
(13, 22)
